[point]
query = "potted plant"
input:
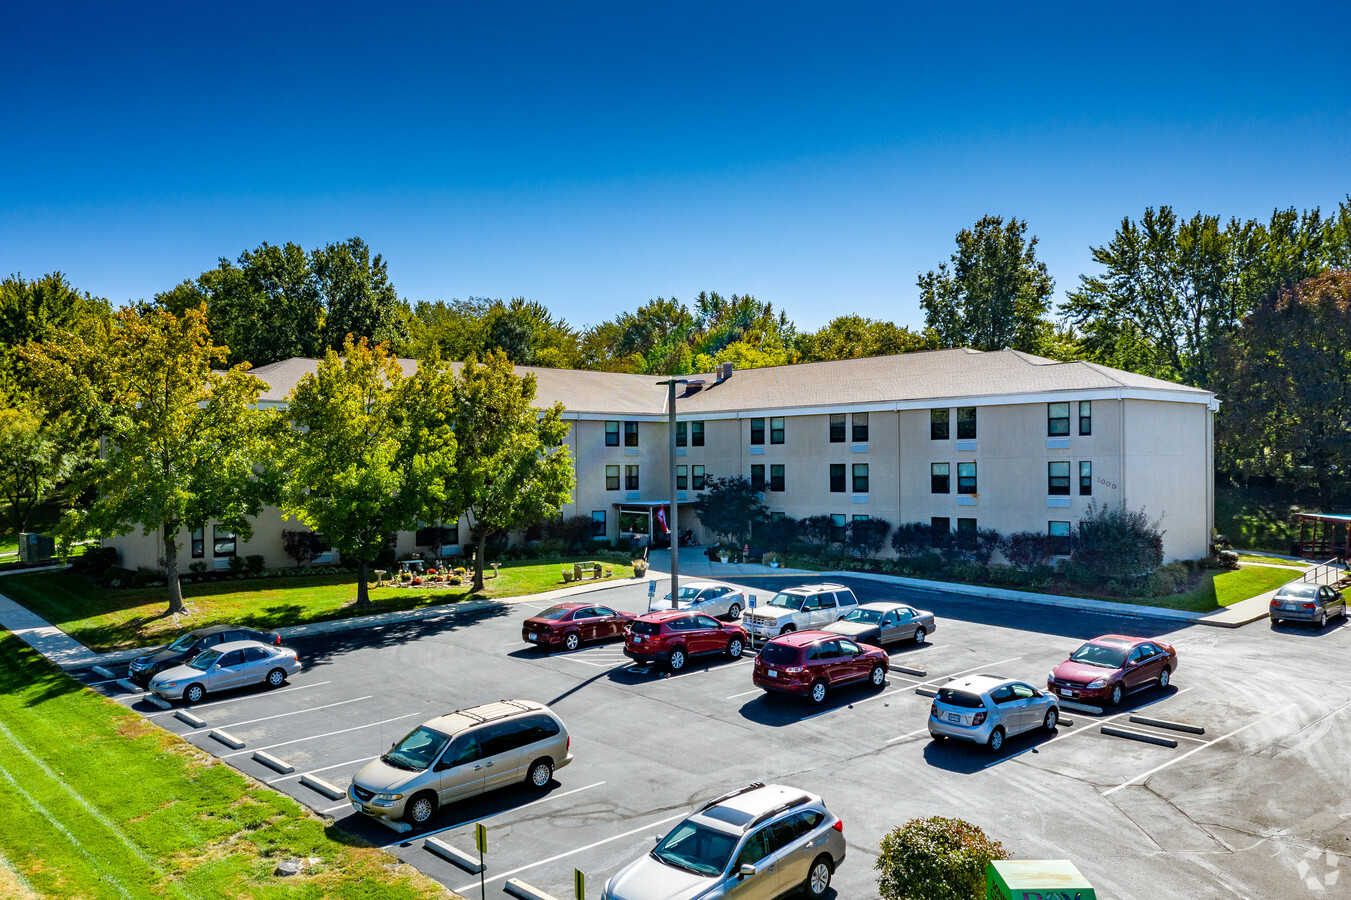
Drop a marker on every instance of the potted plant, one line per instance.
(771, 559)
(639, 568)
(567, 575)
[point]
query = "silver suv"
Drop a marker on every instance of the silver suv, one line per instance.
(462, 755)
(986, 709)
(798, 609)
(755, 843)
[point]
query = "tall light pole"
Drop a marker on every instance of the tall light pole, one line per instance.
(674, 523)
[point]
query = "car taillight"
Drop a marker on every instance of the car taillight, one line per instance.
(933, 710)
(979, 719)
(276, 638)
(1308, 606)
(1275, 602)
(569, 744)
(793, 670)
(839, 825)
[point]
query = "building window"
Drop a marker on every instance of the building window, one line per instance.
(198, 543)
(966, 423)
(450, 534)
(612, 478)
(1085, 479)
(757, 431)
(612, 434)
(598, 523)
(222, 541)
(966, 528)
(1057, 419)
(1085, 416)
(860, 478)
(939, 478)
(697, 475)
(757, 478)
(859, 519)
(837, 428)
(837, 478)
(1059, 533)
(966, 478)
(776, 478)
(630, 478)
(938, 424)
(1058, 479)
(775, 516)
(860, 428)
(682, 479)
(776, 431)
(697, 434)
(837, 526)
(940, 525)
(680, 434)
(630, 434)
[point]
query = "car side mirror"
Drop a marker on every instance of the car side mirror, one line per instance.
(746, 870)
(656, 839)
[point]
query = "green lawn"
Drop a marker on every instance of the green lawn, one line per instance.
(1269, 560)
(106, 620)
(1219, 589)
(99, 803)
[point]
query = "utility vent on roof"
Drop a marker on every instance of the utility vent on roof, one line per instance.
(724, 371)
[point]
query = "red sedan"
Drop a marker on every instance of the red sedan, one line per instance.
(1108, 668)
(568, 624)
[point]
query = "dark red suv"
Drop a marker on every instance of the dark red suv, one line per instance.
(811, 663)
(672, 636)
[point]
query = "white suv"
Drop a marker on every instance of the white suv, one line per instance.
(798, 609)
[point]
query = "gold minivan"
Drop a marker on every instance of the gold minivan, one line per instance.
(462, 755)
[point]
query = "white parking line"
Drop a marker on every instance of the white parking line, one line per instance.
(1112, 718)
(542, 862)
(908, 734)
(350, 762)
(494, 815)
(317, 736)
(946, 678)
(744, 693)
(213, 704)
(296, 712)
(1178, 759)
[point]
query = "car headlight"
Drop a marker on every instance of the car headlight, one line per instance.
(1097, 683)
(1050, 676)
(166, 684)
(388, 797)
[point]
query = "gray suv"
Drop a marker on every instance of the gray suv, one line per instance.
(755, 843)
(462, 755)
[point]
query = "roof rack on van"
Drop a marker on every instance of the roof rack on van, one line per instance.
(753, 786)
(783, 807)
(480, 719)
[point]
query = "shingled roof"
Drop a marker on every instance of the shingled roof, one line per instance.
(948, 375)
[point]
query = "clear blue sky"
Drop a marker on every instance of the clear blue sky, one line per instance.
(816, 155)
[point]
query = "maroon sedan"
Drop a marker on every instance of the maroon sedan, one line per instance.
(811, 663)
(1108, 668)
(568, 624)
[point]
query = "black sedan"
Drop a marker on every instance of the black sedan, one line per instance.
(186, 646)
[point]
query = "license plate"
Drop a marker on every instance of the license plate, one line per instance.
(771, 673)
(532, 637)
(1066, 692)
(637, 639)
(954, 717)
(358, 807)
(1287, 606)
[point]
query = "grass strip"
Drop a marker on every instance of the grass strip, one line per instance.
(100, 803)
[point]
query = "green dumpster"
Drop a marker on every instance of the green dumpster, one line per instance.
(1036, 879)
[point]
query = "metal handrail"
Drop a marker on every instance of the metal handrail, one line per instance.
(1329, 572)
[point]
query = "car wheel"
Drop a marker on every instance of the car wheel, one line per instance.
(734, 611)
(676, 662)
(572, 640)
(1052, 716)
(276, 678)
(996, 741)
(1164, 678)
(194, 693)
(878, 676)
(1117, 694)
(1322, 620)
(818, 878)
(1275, 621)
(919, 635)
(788, 629)
(421, 808)
(734, 648)
(539, 775)
(819, 691)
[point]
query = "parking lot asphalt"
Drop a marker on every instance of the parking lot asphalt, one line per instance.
(1251, 808)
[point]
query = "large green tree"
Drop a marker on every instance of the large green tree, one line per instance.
(357, 295)
(359, 458)
(730, 507)
(852, 336)
(513, 468)
(182, 441)
(1288, 408)
(995, 295)
(35, 457)
(38, 310)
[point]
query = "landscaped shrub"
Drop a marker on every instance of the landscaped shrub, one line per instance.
(912, 539)
(935, 859)
(966, 571)
(255, 563)
(974, 546)
(778, 534)
(236, 565)
(927, 564)
(864, 537)
(302, 546)
(1226, 559)
(95, 560)
(1117, 543)
(1026, 550)
(197, 568)
(816, 531)
(574, 532)
(1166, 580)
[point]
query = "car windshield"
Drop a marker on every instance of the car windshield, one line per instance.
(1107, 657)
(787, 601)
(866, 616)
(183, 642)
(418, 750)
(696, 848)
(204, 660)
(688, 593)
(554, 613)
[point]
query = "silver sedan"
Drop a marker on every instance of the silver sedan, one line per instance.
(884, 623)
(226, 666)
(707, 597)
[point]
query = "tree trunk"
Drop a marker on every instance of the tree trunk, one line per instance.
(363, 592)
(171, 567)
(479, 541)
